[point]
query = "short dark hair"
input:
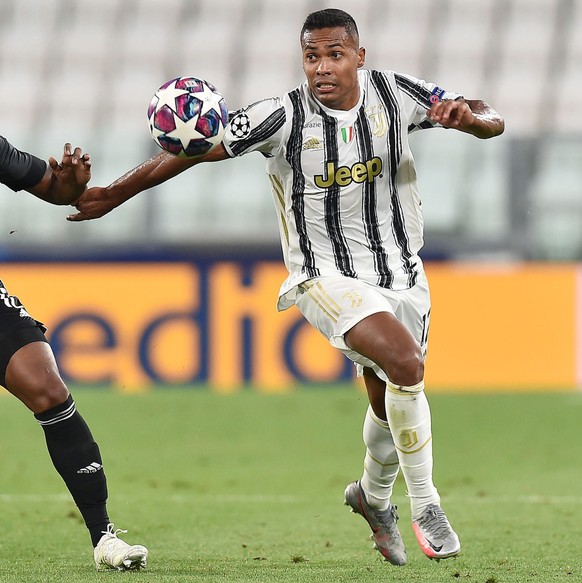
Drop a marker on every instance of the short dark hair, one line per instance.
(331, 18)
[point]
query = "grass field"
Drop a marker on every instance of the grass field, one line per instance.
(249, 487)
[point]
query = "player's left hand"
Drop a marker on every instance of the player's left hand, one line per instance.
(450, 113)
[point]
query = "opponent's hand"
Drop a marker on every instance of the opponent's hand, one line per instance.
(64, 182)
(451, 113)
(92, 204)
(71, 176)
(74, 168)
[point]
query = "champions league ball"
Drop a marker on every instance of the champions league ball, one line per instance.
(187, 117)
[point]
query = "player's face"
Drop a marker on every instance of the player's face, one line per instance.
(331, 58)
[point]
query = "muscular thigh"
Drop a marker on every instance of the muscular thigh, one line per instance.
(334, 305)
(17, 329)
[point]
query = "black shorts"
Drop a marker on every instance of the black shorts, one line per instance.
(17, 328)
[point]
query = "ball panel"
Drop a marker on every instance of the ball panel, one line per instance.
(197, 147)
(209, 124)
(172, 145)
(164, 119)
(187, 106)
(191, 84)
(153, 105)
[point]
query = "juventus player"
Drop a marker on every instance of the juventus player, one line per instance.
(344, 187)
(29, 371)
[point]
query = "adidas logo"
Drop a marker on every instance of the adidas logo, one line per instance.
(312, 144)
(90, 469)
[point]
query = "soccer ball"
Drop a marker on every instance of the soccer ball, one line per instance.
(187, 117)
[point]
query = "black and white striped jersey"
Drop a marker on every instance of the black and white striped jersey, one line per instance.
(343, 182)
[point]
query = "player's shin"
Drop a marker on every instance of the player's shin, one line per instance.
(76, 458)
(408, 414)
(381, 461)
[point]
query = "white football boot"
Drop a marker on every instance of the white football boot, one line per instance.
(113, 553)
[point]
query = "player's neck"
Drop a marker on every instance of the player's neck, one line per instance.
(343, 110)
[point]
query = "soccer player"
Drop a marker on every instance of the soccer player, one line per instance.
(345, 191)
(29, 371)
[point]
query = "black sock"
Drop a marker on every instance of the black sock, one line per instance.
(77, 459)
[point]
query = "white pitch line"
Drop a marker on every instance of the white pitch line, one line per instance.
(239, 498)
(8, 498)
(519, 499)
(291, 499)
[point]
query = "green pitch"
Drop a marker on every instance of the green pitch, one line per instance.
(249, 487)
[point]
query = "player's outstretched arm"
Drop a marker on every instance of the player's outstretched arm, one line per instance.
(98, 201)
(64, 182)
(472, 116)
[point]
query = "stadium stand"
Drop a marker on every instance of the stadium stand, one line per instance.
(85, 71)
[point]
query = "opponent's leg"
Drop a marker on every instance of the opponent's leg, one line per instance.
(32, 376)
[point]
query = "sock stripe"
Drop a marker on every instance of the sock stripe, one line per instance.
(383, 424)
(401, 450)
(396, 463)
(402, 390)
(62, 416)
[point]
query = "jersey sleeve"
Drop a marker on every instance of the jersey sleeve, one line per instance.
(256, 128)
(418, 97)
(19, 170)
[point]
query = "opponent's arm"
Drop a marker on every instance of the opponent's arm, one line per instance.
(98, 201)
(472, 116)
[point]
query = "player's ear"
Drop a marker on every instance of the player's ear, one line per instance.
(361, 57)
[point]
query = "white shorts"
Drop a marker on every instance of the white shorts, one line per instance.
(335, 304)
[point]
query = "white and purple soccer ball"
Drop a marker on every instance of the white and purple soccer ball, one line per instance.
(187, 117)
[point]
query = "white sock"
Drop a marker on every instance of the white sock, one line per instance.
(408, 414)
(381, 461)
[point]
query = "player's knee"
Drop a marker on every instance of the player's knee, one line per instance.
(42, 394)
(48, 401)
(52, 394)
(408, 370)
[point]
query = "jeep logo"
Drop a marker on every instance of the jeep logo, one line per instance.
(342, 176)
